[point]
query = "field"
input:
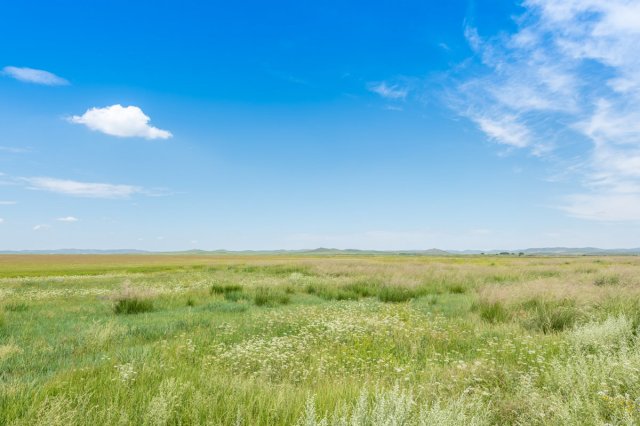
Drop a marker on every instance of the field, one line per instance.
(346, 340)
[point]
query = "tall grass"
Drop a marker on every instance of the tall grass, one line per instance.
(397, 294)
(220, 288)
(132, 301)
(493, 312)
(362, 340)
(270, 297)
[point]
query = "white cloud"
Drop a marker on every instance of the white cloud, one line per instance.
(120, 121)
(8, 203)
(505, 130)
(41, 227)
(604, 206)
(1, 220)
(30, 75)
(570, 73)
(395, 92)
(82, 189)
(69, 219)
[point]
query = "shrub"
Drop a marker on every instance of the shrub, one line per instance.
(270, 297)
(396, 294)
(492, 312)
(190, 302)
(218, 288)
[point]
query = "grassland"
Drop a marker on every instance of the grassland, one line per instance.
(319, 340)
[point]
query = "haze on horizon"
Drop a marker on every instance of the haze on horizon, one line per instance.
(289, 125)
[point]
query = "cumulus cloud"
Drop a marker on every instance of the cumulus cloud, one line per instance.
(120, 121)
(389, 91)
(569, 74)
(30, 75)
(82, 189)
(69, 219)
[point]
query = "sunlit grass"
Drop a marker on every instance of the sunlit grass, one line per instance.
(319, 340)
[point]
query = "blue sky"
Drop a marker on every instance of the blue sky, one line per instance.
(289, 124)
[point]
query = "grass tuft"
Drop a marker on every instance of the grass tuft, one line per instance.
(132, 305)
(236, 296)
(270, 297)
(396, 294)
(492, 312)
(605, 280)
(457, 289)
(132, 301)
(16, 307)
(224, 288)
(549, 316)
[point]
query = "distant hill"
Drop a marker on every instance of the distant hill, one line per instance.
(555, 251)
(541, 251)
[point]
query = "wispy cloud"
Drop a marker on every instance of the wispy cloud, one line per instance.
(1, 221)
(41, 227)
(8, 203)
(82, 189)
(505, 130)
(14, 150)
(68, 219)
(570, 73)
(31, 75)
(124, 122)
(389, 91)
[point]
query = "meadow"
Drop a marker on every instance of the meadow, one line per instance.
(319, 340)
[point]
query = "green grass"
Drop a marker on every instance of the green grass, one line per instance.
(396, 294)
(132, 306)
(603, 280)
(270, 297)
(225, 288)
(492, 312)
(262, 340)
(550, 316)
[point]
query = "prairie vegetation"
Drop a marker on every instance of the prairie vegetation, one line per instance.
(325, 340)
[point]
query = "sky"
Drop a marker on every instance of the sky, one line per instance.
(295, 124)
